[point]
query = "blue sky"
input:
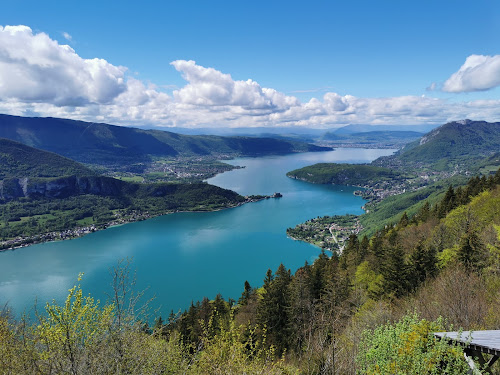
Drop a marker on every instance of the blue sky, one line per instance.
(370, 57)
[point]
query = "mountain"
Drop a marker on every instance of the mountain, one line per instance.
(458, 142)
(379, 135)
(27, 172)
(262, 131)
(17, 159)
(104, 144)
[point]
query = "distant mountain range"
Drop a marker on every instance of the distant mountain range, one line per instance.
(104, 144)
(298, 131)
(358, 128)
(396, 139)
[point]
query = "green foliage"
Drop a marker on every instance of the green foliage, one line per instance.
(371, 282)
(343, 174)
(273, 309)
(471, 251)
(235, 350)
(408, 347)
(395, 272)
(68, 333)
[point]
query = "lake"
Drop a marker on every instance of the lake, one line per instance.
(183, 257)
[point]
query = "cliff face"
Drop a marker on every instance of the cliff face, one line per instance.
(63, 187)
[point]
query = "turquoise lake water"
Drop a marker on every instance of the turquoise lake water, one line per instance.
(185, 256)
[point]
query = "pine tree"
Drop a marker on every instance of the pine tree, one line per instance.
(159, 327)
(448, 203)
(404, 221)
(377, 249)
(422, 265)
(394, 271)
(269, 278)
(245, 296)
(471, 251)
(364, 247)
(274, 308)
(424, 212)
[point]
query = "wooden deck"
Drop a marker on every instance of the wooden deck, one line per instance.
(476, 343)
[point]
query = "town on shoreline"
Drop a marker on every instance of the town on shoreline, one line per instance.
(120, 219)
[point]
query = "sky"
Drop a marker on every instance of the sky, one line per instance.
(317, 64)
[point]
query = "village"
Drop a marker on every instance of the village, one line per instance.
(330, 233)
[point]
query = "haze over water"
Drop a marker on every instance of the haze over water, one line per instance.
(185, 256)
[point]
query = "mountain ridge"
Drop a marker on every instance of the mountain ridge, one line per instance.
(456, 141)
(104, 144)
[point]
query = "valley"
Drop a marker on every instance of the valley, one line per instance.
(258, 188)
(416, 233)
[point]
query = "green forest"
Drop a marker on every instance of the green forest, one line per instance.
(343, 174)
(370, 310)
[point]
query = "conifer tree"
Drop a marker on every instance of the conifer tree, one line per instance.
(274, 309)
(422, 265)
(448, 203)
(471, 251)
(245, 296)
(364, 248)
(377, 249)
(424, 212)
(394, 271)
(404, 221)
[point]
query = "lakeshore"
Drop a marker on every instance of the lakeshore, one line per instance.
(20, 242)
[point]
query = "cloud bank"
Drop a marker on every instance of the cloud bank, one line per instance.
(478, 73)
(40, 77)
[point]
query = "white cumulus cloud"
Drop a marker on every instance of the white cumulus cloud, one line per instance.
(478, 73)
(210, 87)
(35, 68)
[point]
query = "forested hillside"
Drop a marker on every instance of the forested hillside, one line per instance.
(454, 143)
(343, 174)
(442, 261)
(17, 159)
(104, 144)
